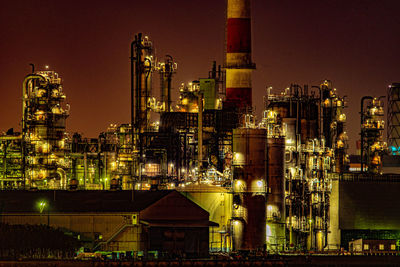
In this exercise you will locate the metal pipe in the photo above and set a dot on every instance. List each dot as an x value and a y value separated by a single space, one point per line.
320 110
200 130
33 67
290 212
290 152
169 81
132 58
27 79
146 115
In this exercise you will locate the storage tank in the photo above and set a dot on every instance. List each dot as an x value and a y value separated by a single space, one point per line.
275 228
305 110
309 111
248 222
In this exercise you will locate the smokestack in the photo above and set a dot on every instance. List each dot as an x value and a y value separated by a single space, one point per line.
238 63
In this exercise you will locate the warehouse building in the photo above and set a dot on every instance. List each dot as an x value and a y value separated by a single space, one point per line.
134 221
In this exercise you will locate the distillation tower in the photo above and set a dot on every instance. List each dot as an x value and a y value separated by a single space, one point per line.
43 131
372 125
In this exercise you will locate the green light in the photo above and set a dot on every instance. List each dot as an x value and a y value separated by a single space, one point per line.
41 206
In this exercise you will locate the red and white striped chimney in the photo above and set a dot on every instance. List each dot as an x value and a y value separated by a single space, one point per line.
238 63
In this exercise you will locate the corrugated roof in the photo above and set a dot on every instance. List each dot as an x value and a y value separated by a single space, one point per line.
79 201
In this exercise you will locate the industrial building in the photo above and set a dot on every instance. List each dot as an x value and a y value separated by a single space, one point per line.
143 221
281 182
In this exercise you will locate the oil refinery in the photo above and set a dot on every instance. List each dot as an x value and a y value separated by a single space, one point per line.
280 181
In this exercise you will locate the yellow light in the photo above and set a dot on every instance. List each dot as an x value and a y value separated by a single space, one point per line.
342 117
289 141
259 183
271 114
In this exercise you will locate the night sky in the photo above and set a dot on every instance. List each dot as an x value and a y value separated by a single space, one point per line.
353 43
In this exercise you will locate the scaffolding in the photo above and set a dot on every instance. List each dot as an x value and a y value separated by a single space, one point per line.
393 117
11 176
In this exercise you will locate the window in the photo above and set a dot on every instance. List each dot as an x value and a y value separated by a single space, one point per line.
393 247
381 246
366 246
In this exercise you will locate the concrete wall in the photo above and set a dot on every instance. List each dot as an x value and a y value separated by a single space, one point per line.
362 205
369 205
334 231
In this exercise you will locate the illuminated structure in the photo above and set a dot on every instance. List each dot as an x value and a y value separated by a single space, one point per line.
166 70
372 126
43 131
11 170
267 183
308 165
141 77
334 119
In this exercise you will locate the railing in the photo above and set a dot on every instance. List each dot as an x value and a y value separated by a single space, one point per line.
367 177
114 234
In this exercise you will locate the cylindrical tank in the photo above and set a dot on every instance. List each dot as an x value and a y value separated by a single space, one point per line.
166 71
249 186
290 130
309 112
285 109
238 54
276 193
306 110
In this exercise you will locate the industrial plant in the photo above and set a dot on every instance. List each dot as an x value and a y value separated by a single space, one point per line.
204 173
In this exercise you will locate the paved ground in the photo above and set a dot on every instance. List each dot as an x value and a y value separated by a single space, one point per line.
279 261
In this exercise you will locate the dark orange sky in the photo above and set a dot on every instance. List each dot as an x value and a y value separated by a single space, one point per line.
353 43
